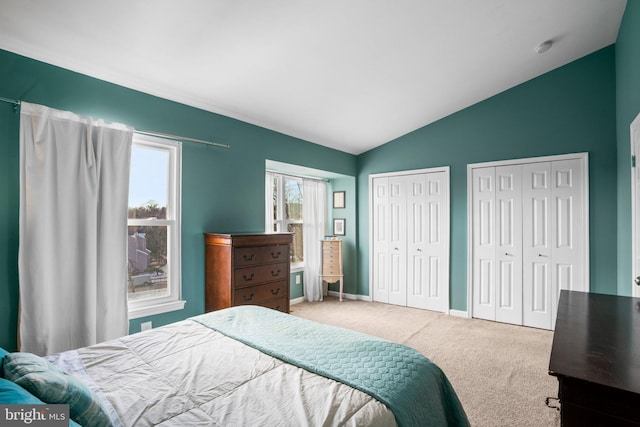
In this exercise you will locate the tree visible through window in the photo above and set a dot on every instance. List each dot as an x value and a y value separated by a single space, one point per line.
287 211
147 256
154 226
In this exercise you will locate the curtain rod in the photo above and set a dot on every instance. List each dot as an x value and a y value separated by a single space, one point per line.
295 175
16 103
181 138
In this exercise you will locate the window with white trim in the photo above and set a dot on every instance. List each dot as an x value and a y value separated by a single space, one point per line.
154 281
287 212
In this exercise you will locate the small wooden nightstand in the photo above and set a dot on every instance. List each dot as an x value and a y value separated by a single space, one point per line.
332 262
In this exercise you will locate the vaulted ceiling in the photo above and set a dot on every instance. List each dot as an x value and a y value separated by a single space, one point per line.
349 75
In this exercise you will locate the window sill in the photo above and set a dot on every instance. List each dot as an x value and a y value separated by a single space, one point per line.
296 268
151 310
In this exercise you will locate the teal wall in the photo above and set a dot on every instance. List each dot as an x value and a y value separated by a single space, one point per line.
586 105
627 108
222 190
296 289
350 239
571 109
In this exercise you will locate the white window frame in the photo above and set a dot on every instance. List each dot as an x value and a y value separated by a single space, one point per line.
282 223
152 306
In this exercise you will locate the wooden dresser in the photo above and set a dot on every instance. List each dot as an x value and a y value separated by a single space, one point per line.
247 268
332 262
596 357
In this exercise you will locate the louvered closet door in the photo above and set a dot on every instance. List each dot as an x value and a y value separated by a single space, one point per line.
509 244
380 244
484 245
427 219
397 240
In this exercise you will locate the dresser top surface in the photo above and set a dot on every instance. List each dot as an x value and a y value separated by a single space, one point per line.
247 238
597 339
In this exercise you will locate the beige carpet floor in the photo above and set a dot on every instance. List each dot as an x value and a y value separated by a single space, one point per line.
499 371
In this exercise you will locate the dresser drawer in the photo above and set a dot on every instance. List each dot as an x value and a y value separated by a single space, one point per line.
259 294
260 255
251 276
279 304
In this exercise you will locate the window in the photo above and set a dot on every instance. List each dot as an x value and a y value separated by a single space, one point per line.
287 211
154 227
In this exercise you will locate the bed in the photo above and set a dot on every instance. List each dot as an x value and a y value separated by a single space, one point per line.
249 366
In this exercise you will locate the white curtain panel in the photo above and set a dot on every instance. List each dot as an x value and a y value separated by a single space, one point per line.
268 202
314 217
74 184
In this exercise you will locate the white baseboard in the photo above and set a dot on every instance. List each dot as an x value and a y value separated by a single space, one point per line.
459 313
296 300
350 296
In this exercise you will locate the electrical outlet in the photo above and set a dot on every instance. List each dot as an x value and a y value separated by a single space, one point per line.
145 326
297 279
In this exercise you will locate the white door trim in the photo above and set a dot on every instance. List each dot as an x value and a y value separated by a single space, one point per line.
583 157
446 221
635 242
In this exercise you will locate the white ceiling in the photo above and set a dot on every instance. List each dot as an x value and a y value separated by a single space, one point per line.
350 75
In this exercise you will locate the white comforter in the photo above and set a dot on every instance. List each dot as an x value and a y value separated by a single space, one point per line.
186 374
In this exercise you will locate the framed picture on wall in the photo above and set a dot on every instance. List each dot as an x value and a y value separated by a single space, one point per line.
338 199
338 226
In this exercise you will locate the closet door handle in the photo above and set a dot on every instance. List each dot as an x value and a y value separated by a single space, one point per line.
542 255
508 254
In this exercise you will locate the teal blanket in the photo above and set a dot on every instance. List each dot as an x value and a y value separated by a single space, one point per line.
415 389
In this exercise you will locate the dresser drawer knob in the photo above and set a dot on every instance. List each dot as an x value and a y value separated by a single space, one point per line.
275 291
248 298
275 255
275 273
248 278
248 257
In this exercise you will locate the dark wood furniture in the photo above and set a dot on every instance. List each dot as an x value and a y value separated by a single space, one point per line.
596 358
247 268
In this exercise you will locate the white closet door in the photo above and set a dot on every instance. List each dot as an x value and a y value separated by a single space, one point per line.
437 249
427 241
567 239
417 228
484 245
380 227
397 240
537 245
508 244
